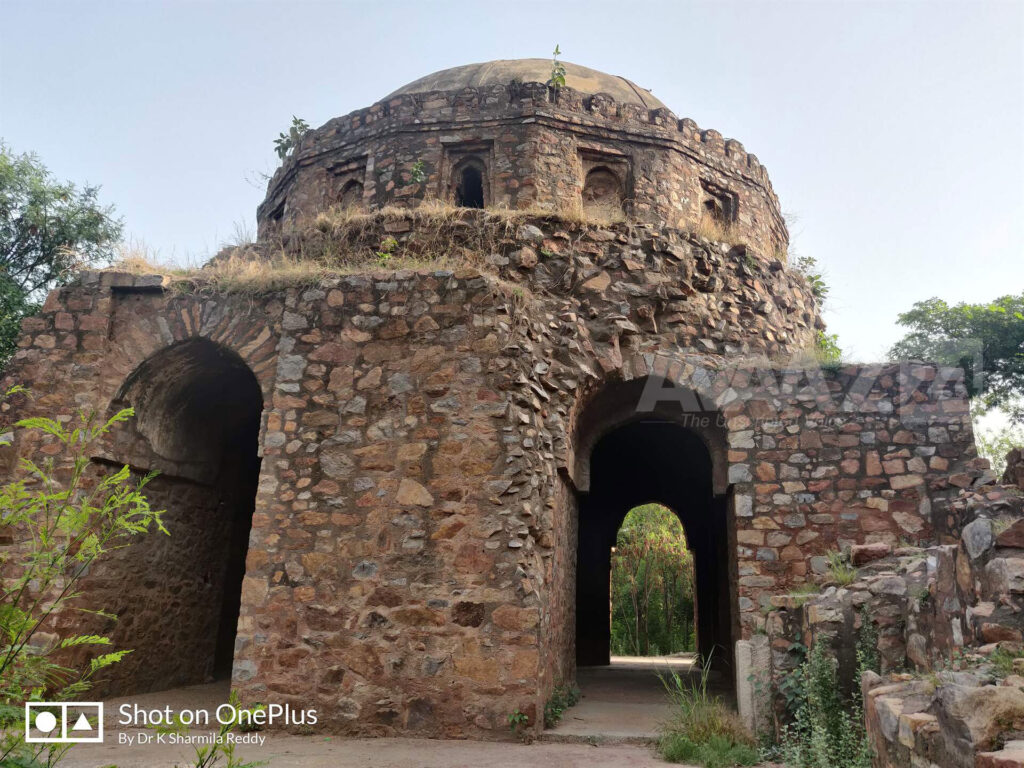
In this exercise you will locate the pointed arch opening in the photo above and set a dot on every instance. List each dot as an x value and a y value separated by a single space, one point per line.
672 454
470 184
197 420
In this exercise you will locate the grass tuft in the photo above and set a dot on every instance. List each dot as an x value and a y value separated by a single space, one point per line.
840 570
715 230
703 729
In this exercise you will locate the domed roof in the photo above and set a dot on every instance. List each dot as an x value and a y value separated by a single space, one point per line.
504 71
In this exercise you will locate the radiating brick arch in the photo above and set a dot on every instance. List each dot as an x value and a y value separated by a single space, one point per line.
613 401
232 323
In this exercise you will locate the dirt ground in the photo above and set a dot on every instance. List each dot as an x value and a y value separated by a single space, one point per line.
622 704
320 752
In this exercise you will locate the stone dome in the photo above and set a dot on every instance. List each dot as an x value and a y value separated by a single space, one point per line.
495 135
503 71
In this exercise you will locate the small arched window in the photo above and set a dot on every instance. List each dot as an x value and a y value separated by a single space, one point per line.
469 185
602 192
352 194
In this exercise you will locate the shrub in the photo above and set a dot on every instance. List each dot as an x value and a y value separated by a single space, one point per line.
64 522
839 570
827 729
717 752
702 729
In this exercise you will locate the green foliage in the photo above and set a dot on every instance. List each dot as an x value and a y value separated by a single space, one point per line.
14 306
791 684
717 752
286 143
808 267
387 250
995 442
418 174
986 340
220 754
702 729
827 729
652 585
1004 662
67 522
562 697
518 723
828 351
557 79
868 657
48 229
840 570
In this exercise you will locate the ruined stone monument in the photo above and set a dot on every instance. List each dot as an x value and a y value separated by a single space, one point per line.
392 494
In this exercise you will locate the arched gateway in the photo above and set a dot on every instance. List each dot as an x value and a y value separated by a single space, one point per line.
197 421
664 452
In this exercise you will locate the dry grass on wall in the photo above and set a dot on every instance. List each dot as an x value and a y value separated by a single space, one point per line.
432 236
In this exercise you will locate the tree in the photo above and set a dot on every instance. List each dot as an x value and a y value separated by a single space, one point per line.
995 442
652 584
986 340
48 229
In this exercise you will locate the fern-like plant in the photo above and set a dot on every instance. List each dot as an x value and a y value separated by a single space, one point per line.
62 523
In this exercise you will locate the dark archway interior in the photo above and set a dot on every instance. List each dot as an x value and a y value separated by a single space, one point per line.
469 193
352 195
653 460
197 419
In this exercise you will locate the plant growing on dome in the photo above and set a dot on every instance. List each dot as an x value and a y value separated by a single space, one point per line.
557 79
285 143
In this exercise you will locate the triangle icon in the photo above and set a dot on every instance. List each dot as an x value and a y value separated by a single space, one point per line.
82 724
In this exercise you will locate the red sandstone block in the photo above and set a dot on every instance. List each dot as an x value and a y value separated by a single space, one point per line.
93 322
866 553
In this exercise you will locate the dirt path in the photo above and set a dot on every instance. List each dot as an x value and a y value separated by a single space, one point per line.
320 752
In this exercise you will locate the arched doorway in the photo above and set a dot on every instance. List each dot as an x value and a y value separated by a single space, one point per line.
652 586
470 182
197 419
602 194
672 455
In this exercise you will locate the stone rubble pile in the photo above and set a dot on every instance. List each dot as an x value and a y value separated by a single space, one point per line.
947 623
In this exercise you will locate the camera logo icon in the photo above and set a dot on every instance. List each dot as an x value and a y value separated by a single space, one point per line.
63 722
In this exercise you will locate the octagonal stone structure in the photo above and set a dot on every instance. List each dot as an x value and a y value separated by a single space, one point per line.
498 135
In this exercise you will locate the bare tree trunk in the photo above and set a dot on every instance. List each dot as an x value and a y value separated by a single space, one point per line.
668 595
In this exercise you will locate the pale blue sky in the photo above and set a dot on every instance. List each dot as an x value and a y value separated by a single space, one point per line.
894 131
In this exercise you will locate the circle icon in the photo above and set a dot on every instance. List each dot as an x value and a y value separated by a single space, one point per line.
46 722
